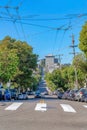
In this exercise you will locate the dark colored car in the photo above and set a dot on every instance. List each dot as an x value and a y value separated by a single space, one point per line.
65 95
23 96
14 94
80 93
30 92
0 95
7 95
84 97
60 94
71 94
37 94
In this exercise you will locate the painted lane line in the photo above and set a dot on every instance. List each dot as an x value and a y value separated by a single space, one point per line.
67 108
85 106
14 106
41 107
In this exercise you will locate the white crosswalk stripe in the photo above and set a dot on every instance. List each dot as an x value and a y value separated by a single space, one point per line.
41 107
67 108
85 106
14 106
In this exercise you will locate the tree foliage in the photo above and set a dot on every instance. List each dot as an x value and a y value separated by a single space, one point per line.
8 65
83 39
17 61
65 78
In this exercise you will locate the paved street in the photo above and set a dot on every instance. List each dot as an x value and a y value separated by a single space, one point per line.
43 114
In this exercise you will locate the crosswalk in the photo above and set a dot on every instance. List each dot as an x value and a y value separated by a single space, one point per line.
43 107
14 106
67 108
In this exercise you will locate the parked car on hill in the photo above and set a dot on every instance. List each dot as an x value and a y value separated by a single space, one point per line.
14 94
71 94
0 95
23 96
65 95
84 97
7 95
80 93
38 94
60 94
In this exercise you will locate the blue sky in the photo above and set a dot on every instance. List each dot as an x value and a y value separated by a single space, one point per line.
47 25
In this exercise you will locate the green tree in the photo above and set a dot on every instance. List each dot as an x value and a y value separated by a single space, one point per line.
8 65
83 39
27 60
80 62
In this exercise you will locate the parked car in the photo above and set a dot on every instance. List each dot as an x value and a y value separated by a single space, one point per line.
65 95
7 95
84 97
30 92
14 94
23 96
60 94
0 95
20 96
38 94
80 93
71 94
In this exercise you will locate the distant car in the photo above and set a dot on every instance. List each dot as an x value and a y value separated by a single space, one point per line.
46 93
22 96
65 95
7 95
14 94
25 95
60 94
0 95
37 94
30 92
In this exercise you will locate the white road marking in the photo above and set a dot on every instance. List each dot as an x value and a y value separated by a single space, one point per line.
67 108
41 107
85 106
14 106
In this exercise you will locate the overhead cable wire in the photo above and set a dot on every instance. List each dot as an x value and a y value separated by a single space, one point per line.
42 26
21 26
57 31
52 19
19 5
65 30
55 41
17 11
13 20
67 17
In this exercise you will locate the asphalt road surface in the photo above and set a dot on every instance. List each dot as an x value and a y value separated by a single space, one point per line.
43 114
47 113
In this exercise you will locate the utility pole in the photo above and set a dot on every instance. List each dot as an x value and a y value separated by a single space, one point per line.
74 53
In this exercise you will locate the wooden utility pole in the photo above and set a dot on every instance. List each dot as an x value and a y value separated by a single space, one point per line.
74 53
